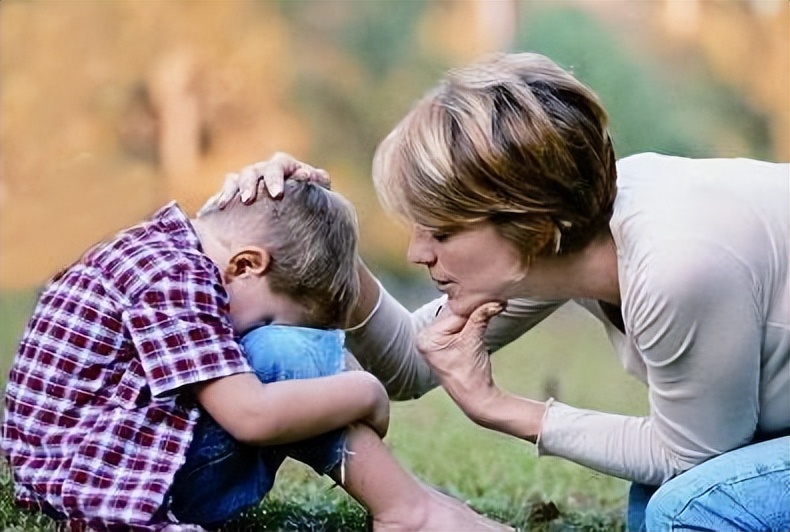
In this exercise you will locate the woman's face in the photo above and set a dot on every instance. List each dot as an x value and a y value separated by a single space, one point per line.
472 267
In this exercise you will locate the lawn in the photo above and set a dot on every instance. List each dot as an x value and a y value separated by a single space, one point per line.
567 356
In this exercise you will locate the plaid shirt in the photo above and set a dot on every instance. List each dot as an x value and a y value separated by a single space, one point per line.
98 413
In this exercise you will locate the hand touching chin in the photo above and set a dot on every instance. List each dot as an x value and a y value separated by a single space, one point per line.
465 305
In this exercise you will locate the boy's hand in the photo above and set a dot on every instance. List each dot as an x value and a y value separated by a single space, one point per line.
273 171
294 410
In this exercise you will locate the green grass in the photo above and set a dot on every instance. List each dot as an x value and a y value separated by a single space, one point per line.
15 309
567 356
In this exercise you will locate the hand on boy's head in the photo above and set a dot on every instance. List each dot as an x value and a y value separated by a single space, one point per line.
273 172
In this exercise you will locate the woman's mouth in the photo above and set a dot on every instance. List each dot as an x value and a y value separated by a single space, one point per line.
441 284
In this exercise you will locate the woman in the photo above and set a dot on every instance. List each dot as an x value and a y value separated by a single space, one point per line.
507 173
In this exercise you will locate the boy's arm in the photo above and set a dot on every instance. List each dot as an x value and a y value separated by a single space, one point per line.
293 410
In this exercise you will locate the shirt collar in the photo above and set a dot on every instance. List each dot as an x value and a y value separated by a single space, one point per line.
172 219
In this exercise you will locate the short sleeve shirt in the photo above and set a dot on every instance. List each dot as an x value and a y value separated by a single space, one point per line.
99 412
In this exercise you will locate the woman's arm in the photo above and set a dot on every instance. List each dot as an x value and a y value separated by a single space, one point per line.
698 328
293 410
386 345
383 339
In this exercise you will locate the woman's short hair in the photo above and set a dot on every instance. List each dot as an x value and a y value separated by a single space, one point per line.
311 235
514 140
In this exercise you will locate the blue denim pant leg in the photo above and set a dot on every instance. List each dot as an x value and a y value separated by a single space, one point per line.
222 477
278 352
744 489
638 497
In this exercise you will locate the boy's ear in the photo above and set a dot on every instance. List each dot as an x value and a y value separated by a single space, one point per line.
249 260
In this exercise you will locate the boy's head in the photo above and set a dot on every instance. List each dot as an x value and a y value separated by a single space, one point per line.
293 257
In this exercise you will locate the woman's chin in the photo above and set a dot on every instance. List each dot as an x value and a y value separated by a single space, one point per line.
464 306
455 306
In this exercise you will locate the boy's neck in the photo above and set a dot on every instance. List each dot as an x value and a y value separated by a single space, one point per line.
215 247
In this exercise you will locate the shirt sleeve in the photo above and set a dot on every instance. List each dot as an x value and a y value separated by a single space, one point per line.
182 335
696 324
386 345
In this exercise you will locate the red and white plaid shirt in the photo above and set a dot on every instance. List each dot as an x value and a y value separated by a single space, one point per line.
98 410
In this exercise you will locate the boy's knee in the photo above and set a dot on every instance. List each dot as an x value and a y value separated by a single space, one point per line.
286 352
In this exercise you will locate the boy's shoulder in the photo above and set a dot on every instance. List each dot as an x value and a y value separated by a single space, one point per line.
161 247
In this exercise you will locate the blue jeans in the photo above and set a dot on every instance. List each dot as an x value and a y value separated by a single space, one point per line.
222 477
744 489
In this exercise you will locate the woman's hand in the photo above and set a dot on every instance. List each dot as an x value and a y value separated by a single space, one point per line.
453 346
273 171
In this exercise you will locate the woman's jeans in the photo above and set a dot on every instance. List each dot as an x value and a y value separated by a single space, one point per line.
744 489
222 477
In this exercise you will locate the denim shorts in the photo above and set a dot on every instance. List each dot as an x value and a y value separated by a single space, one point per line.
222 477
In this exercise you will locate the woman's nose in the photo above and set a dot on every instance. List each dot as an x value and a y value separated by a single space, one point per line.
420 249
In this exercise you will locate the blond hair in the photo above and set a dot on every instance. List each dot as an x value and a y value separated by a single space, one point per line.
311 237
514 140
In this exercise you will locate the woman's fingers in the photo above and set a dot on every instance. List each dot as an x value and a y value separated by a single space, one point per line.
475 325
273 172
478 321
210 204
302 173
320 176
274 178
452 335
219 200
229 189
294 169
247 182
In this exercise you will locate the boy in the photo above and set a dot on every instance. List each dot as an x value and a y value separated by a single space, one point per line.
131 406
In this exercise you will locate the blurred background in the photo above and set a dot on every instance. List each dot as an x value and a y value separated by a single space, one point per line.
108 109
111 108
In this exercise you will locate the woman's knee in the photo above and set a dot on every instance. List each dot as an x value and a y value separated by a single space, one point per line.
663 508
745 489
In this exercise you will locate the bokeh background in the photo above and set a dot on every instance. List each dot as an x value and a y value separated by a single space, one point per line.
110 108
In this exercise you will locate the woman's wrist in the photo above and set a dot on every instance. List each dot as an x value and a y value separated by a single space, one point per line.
509 414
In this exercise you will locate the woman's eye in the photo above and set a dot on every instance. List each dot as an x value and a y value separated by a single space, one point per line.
440 237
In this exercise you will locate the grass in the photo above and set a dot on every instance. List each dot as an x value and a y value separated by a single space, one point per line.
568 356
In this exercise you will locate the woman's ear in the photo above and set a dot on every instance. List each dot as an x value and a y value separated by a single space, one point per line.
247 261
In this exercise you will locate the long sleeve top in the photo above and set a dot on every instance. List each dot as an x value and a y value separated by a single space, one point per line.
703 248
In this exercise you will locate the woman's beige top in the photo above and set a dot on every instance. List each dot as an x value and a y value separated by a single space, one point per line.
703 250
